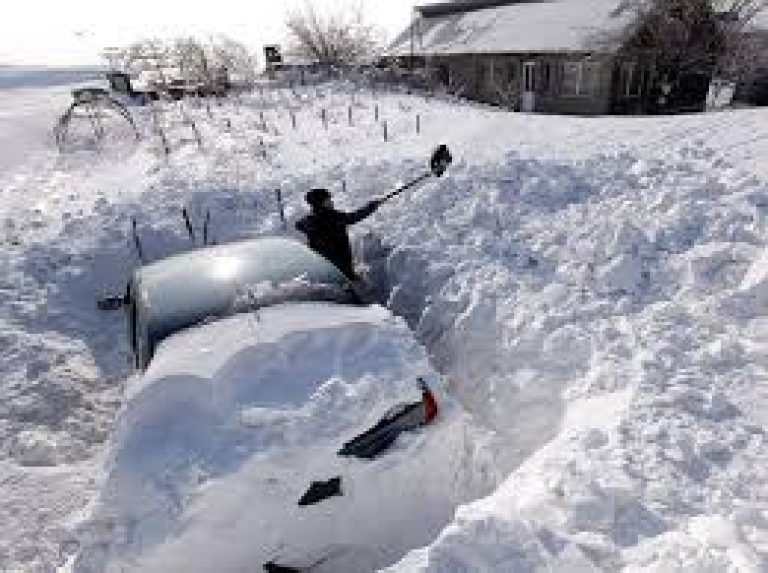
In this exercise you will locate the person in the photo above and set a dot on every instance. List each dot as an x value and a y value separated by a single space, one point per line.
326 229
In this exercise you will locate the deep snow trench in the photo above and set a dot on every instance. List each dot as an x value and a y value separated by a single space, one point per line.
595 287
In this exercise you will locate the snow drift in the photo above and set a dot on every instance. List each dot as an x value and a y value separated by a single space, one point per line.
595 287
232 422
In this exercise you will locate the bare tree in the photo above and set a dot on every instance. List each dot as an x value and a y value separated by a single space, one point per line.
684 35
332 40
194 60
235 57
744 50
192 57
693 36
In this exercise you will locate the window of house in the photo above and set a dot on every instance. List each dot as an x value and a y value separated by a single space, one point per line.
590 78
571 80
512 72
444 74
546 77
481 75
580 78
630 79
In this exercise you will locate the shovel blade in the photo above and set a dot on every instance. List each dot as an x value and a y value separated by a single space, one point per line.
440 161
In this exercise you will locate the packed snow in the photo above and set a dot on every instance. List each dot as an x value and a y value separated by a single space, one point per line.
594 288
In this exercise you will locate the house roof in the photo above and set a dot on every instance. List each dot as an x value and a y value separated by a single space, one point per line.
484 26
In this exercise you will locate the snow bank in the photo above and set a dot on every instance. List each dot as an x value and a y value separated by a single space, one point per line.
593 286
234 420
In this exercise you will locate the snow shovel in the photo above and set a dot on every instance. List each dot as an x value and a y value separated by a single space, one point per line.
401 418
440 161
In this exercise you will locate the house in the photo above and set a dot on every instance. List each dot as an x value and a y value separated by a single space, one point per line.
557 56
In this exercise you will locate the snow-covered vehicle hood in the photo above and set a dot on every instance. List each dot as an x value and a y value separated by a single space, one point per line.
234 419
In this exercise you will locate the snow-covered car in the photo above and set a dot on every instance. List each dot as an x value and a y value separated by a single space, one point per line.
214 282
235 422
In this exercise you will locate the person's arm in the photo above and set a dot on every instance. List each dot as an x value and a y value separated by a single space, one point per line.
362 213
303 225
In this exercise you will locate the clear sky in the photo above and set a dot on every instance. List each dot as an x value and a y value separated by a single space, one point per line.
64 32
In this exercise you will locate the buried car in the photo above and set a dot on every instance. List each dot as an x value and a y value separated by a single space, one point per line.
186 289
250 441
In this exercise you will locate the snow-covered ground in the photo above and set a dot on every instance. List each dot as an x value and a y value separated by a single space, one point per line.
596 287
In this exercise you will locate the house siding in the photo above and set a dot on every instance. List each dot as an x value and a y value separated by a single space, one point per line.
498 79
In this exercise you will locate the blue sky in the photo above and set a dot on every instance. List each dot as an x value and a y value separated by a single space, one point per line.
72 32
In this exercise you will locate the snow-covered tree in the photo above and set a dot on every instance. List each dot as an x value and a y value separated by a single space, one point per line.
694 36
335 39
685 36
744 51
196 60
235 57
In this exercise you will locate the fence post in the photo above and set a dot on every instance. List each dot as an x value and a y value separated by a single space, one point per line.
418 124
206 227
386 133
166 146
188 224
279 196
293 120
324 117
343 185
196 131
376 112
349 115
262 147
137 241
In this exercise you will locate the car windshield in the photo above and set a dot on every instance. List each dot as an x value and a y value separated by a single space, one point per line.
190 288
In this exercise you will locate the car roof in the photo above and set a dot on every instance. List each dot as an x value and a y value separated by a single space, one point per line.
185 289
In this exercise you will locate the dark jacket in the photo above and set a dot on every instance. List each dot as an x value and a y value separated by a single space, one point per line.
326 231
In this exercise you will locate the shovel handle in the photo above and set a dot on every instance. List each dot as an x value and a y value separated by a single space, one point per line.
407 186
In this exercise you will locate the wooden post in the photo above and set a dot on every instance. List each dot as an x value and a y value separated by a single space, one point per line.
196 131
279 196
206 226
418 124
263 121
343 185
386 133
376 112
137 241
324 117
188 224
293 120
166 146
349 115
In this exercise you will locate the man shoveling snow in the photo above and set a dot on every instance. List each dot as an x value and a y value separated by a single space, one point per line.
326 228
